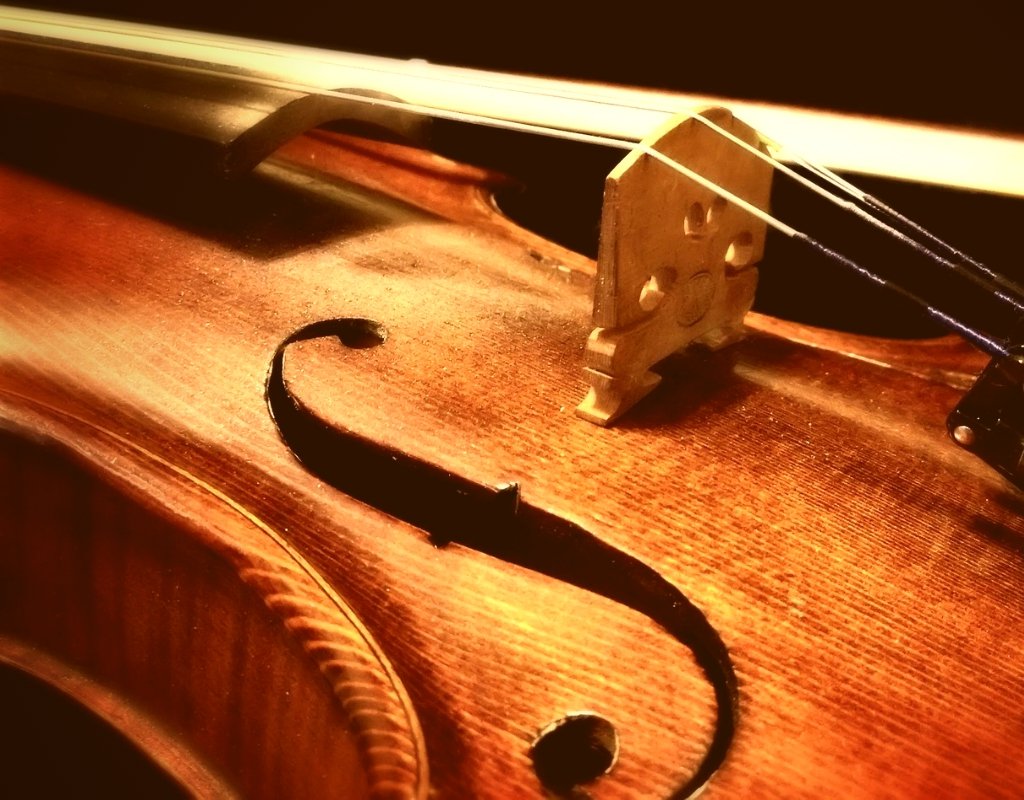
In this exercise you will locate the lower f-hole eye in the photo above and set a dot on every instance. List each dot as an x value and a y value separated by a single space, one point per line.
574 750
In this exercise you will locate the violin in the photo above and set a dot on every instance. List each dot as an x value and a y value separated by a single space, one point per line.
303 496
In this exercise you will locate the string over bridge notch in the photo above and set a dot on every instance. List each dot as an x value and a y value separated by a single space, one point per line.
677 262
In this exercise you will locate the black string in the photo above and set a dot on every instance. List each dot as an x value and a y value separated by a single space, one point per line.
982 340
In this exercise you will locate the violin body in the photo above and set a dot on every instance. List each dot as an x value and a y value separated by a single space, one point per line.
169 564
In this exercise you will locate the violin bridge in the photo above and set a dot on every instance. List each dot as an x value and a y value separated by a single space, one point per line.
677 263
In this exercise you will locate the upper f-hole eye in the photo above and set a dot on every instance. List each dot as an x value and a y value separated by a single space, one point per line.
574 750
360 334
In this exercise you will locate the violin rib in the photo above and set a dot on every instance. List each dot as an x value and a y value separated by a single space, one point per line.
176 615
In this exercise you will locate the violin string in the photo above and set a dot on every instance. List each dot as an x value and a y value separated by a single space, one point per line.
979 338
986 283
449 75
990 282
993 278
860 195
382 65
453 115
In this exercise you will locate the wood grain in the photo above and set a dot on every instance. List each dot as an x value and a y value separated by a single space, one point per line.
195 621
863 571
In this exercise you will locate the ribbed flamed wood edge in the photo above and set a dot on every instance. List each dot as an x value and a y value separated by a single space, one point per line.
365 687
373 702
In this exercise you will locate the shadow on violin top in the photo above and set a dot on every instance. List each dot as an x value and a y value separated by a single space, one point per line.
273 212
